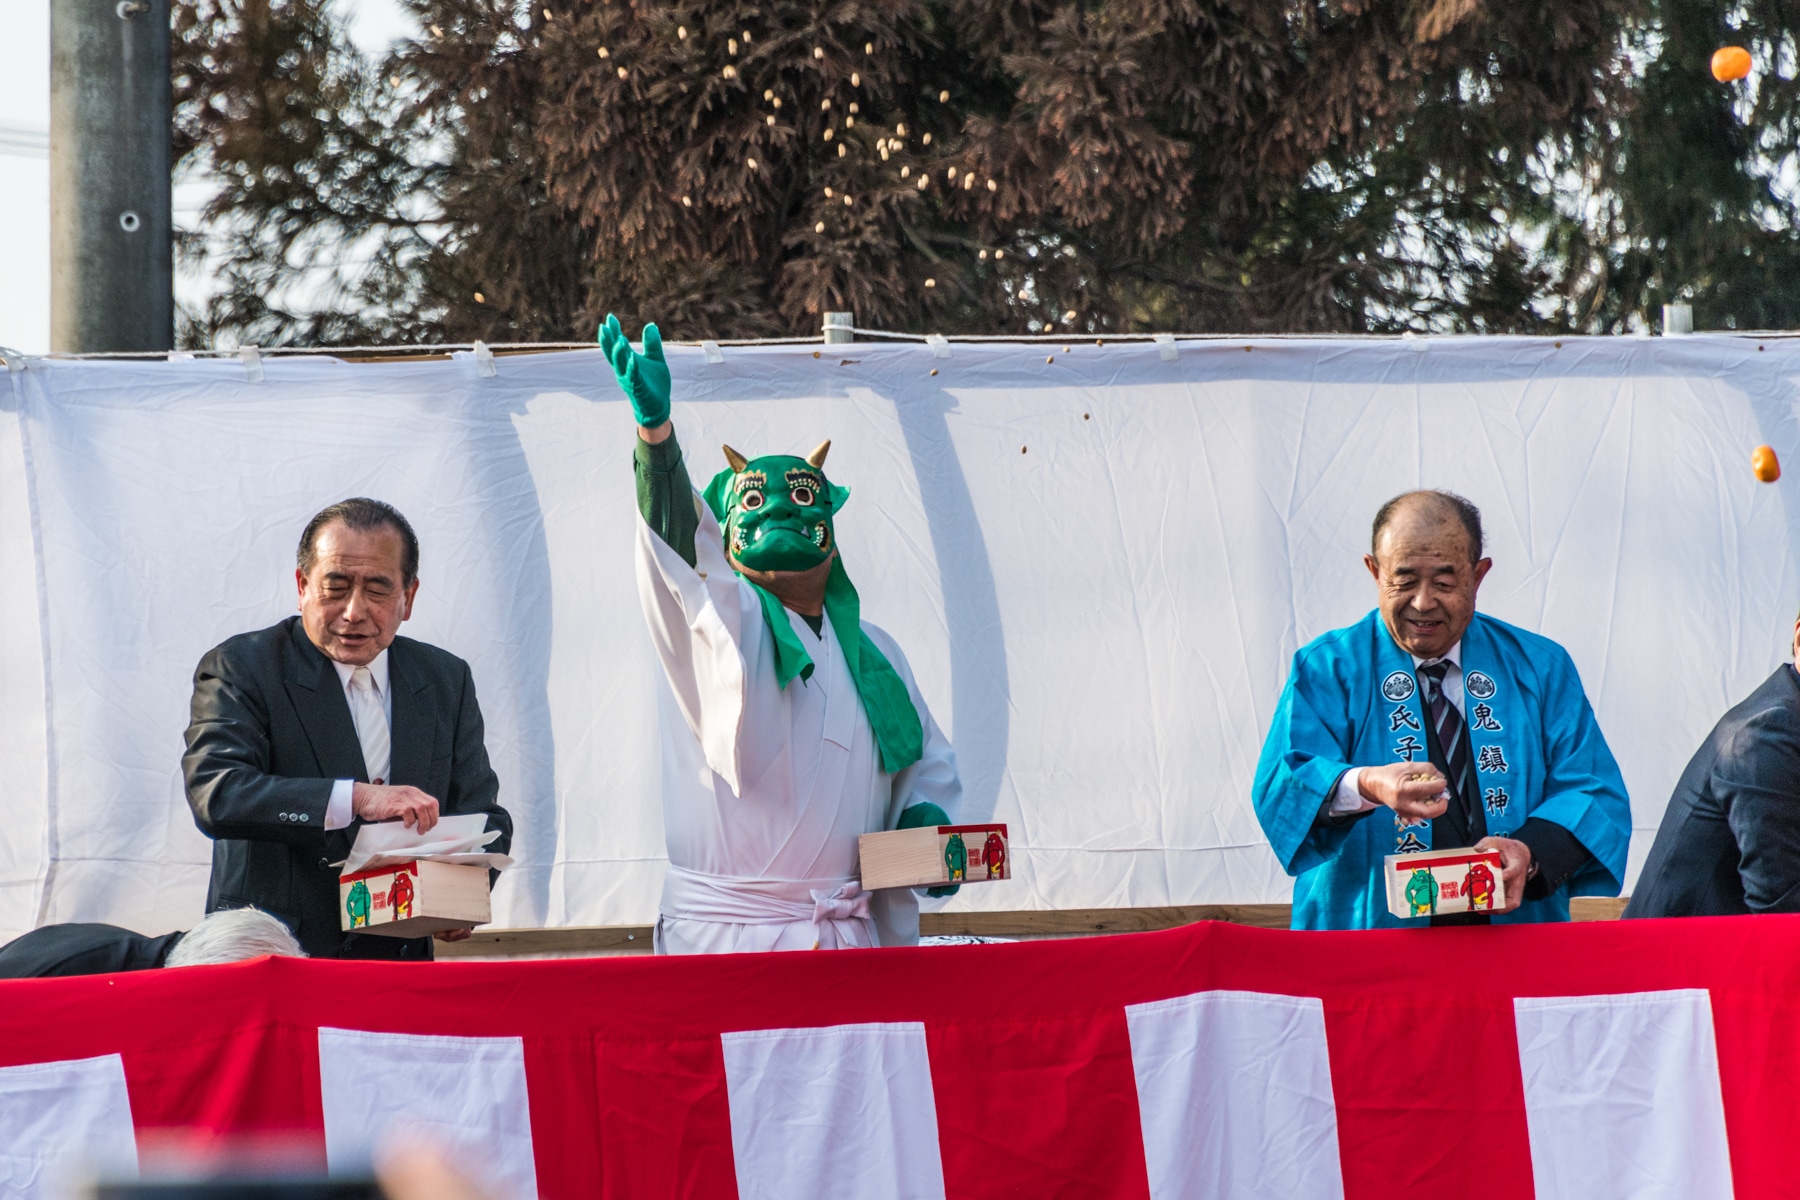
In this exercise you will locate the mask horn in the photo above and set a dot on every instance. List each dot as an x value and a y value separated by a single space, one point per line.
816 459
738 462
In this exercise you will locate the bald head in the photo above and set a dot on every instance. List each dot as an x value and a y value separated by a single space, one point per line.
1428 514
1427 564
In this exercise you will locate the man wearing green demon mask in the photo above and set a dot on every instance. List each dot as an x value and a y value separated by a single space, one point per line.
806 718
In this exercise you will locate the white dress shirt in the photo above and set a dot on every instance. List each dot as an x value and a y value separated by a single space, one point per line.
339 812
1348 798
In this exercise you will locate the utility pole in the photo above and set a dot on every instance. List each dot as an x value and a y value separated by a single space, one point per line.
112 254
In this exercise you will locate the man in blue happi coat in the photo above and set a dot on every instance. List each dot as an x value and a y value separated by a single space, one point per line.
1428 726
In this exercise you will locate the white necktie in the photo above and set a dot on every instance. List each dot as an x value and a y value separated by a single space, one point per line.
371 724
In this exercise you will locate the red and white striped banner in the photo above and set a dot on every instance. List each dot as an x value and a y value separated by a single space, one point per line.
1587 1062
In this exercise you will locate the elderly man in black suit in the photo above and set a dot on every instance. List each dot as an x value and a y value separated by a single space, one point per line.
1730 838
304 731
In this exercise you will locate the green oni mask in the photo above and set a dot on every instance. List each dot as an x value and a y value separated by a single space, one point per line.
776 511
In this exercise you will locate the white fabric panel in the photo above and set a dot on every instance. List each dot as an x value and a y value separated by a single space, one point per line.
25 850
1622 1097
464 1093
1098 569
845 1110
61 1122
1234 1095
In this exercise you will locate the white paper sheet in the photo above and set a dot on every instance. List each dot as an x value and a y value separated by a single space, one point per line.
454 839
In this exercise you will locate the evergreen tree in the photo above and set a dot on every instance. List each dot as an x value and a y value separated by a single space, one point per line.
738 168
316 169
1698 189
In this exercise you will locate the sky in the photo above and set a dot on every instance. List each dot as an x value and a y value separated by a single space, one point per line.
25 160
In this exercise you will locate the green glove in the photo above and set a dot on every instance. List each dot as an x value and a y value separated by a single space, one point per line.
928 813
645 377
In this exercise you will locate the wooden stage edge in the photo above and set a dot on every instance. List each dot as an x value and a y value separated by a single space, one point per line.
582 941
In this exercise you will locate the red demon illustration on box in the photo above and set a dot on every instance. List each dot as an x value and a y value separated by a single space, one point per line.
1479 887
993 856
400 899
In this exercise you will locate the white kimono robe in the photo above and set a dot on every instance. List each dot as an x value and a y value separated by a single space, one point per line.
762 854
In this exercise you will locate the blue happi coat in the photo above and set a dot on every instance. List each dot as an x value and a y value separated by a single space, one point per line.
1353 700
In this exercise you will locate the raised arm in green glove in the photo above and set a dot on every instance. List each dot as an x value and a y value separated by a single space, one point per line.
645 377
665 495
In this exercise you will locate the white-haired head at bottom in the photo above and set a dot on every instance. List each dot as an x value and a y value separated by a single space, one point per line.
233 935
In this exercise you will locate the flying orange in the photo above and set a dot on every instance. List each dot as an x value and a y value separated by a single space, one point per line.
1764 463
1730 63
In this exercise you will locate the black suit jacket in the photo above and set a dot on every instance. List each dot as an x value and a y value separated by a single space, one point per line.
1730 839
270 732
82 950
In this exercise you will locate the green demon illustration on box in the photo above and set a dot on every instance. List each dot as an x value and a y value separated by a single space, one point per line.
956 858
1421 893
357 904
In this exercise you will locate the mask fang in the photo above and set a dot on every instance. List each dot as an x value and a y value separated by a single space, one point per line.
738 462
816 460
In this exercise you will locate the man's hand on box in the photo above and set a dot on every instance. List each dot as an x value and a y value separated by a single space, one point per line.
382 802
1515 864
1416 791
453 935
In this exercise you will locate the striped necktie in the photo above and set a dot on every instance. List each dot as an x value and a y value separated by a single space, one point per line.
370 718
1447 722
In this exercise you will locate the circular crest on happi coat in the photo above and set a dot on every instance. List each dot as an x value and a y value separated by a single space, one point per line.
1398 686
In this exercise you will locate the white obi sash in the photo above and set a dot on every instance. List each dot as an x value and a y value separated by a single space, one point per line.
837 908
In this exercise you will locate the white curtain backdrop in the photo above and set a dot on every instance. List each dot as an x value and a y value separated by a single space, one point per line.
1098 566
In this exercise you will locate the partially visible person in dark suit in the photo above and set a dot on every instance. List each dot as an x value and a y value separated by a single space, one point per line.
1730 839
302 732
84 949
